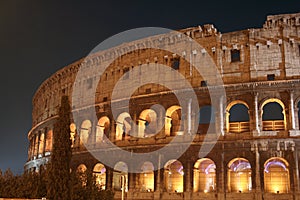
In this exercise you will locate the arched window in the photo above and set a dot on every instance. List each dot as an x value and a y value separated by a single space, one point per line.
123 126
120 177
41 145
48 147
276 176
173 121
273 115
204 176
102 129
239 175
147 177
85 131
206 120
99 173
237 117
72 133
173 175
147 123
81 172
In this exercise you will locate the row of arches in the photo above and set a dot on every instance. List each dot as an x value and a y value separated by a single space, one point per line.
150 123
170 123
239 176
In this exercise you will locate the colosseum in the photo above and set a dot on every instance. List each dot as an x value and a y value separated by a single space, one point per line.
253 129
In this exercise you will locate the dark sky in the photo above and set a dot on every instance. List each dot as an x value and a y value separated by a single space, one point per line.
39 37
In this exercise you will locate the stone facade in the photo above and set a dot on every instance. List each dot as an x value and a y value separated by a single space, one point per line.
256 157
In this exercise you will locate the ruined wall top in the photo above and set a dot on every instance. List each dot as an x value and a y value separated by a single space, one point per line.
282 20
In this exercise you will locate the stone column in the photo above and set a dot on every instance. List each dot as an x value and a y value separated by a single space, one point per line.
188 177
160 123
189 117
256 117
30 149
292 111
37 144
257 173
221 114
109 178
158 180
112 130
221 187
296 173
92 140
131 182
45 138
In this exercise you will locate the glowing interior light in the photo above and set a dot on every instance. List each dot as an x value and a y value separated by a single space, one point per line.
279 163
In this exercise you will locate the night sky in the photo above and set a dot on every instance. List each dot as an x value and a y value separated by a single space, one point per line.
39 37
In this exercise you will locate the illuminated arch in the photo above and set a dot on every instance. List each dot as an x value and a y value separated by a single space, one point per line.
173 121
237 117
81 172
41 145
239 175
102 129
276 175
48 147
147 123
72 133
120 176
146 179
204 175
173 176
99 173
85 131
273 120
123 126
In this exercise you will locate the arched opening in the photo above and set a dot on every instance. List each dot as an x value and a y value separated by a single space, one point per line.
99 173
72 133
237 117
146 179
102 129
81 172
173 121
123 126
120 177
147 123
204 175
206 120
41 145
85 131
239 175
173 175
273 115
276 176
48 147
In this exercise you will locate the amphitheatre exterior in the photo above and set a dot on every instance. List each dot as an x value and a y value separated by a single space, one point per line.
256 125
